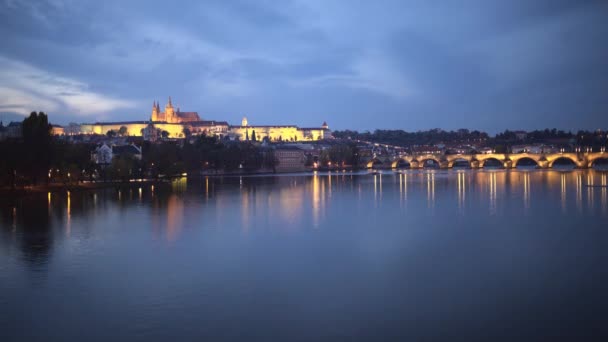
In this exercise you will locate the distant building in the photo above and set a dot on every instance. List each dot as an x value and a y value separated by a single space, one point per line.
541 148
72 129
14 130
461 149
521 135
286 133
178 124
170 115
130 150
104 154
175 122
57 130
151 133
426 149
486 150
290 159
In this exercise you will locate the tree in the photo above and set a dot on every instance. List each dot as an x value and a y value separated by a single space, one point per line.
36 128
253 137
37 147
111 133
187 132
164 134
122 131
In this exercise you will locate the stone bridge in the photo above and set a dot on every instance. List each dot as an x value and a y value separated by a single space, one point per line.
581 160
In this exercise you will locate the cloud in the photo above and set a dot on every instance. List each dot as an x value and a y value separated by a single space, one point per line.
24 88
402 60
372 72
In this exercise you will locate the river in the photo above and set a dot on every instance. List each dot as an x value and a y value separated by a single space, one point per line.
414 255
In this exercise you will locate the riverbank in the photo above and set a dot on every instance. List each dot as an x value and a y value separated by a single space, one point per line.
81 186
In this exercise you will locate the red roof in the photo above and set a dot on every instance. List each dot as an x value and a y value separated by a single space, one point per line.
188 116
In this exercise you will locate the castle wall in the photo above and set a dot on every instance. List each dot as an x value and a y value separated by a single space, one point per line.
133 129
175 130
276 133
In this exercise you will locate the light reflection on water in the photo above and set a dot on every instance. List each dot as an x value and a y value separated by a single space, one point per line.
189 258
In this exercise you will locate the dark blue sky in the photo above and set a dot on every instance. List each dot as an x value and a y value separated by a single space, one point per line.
489 65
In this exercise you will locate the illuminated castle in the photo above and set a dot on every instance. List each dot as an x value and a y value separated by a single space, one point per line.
176 124
246 132
170 115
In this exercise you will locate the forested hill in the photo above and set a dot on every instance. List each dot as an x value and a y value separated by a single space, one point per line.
464 136
403 138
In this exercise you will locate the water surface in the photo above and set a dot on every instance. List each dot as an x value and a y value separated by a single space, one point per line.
420 255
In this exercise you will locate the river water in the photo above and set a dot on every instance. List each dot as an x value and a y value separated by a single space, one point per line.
419 255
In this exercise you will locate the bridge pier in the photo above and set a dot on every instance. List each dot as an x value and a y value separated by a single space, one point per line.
543 164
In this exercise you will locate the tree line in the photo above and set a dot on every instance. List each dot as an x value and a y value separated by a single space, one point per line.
465 137
37 158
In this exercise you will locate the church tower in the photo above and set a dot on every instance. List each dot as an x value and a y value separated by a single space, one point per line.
155 112
169 113
244 122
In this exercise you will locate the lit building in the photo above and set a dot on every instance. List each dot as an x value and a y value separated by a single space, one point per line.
176 123
278 133
173 123
170 115
57 130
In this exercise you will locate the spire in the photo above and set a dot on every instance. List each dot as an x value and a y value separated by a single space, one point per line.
169 104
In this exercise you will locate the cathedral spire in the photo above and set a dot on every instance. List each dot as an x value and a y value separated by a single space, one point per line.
169 104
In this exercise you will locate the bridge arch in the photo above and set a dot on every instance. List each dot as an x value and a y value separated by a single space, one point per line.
422 160
523 160
482 163
401 163
483 158
599 161
374 162
454 158
572 162
538 159
453 161
568 156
